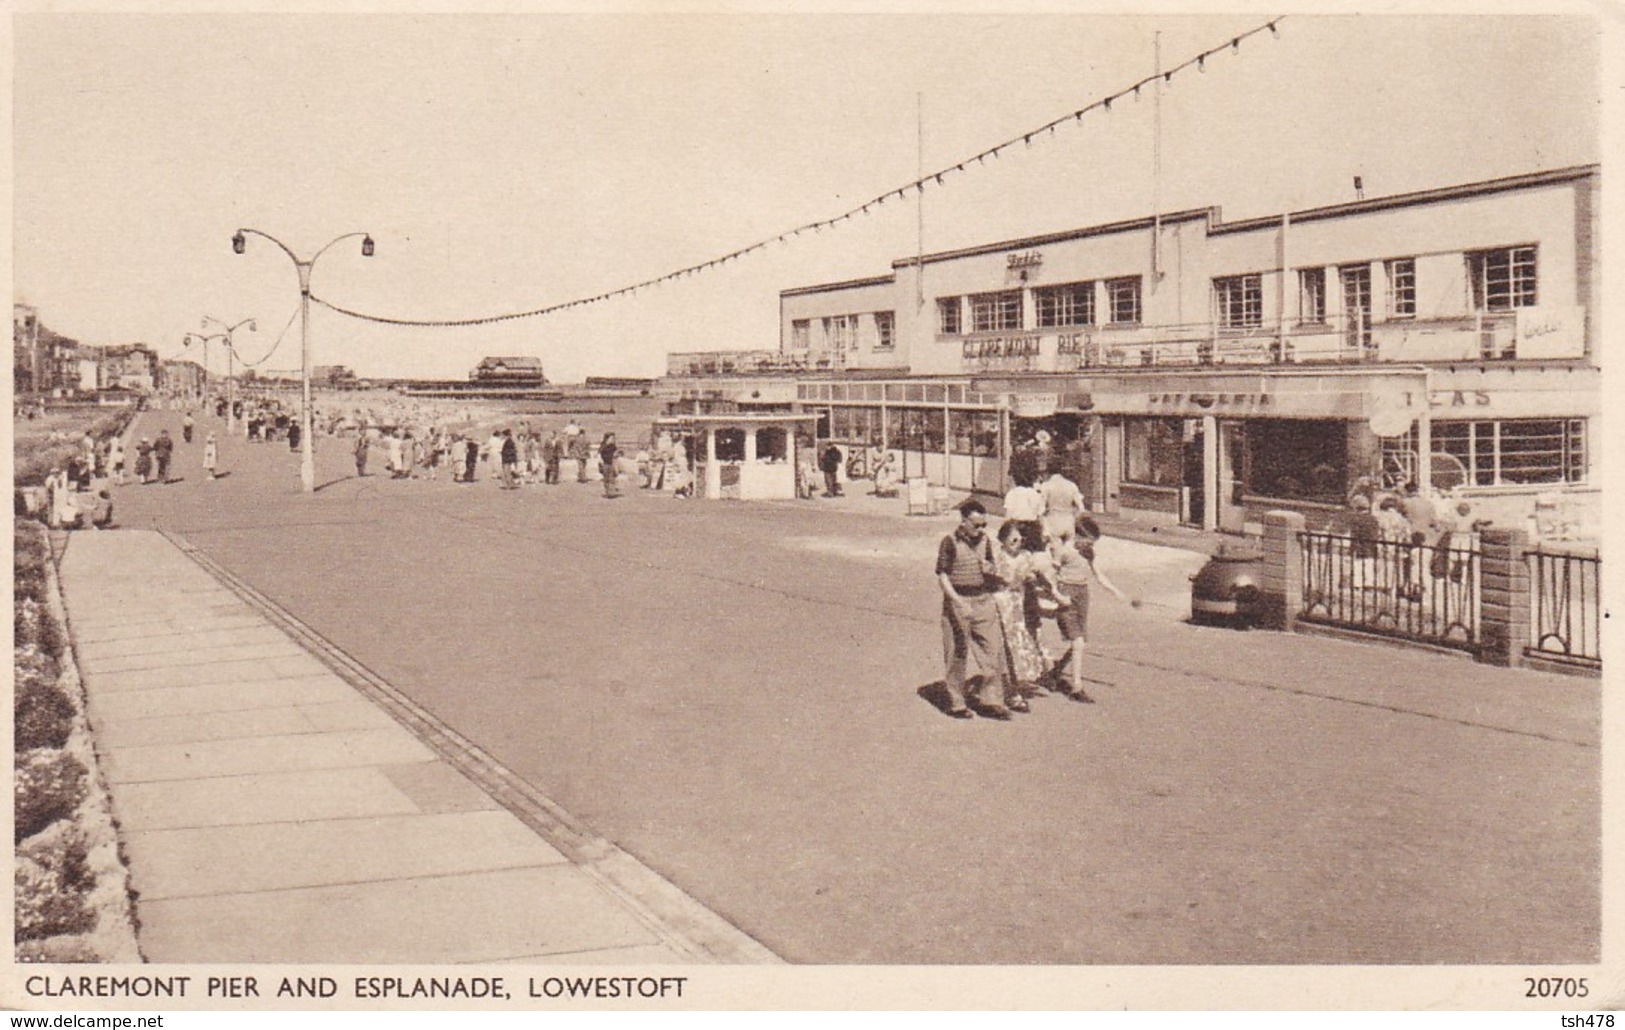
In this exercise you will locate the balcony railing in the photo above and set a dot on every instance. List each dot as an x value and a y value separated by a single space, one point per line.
1343 338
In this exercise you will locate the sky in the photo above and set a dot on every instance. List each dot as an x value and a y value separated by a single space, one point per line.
503 163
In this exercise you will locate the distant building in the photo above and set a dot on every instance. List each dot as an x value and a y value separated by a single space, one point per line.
629 383
129 366
25 355
337 377
509 371
181 377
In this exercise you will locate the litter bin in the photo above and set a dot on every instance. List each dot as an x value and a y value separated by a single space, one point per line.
1226 591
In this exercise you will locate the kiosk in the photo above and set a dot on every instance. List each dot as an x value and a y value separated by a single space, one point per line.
741 456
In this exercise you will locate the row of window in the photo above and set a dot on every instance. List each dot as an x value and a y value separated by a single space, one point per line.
1506 452
1308 460
1055 307
842 332
1498 280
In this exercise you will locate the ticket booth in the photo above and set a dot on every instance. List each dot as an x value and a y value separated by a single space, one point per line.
742 456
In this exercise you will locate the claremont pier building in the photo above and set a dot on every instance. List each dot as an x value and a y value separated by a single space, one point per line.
1193 370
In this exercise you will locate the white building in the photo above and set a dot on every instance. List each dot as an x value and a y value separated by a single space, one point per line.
1196 370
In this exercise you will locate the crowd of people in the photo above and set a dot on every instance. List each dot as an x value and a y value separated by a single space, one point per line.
999 591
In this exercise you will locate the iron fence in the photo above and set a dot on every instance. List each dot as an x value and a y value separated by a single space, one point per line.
1399 589
1565 598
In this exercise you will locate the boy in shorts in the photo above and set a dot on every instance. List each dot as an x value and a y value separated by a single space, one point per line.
1074 568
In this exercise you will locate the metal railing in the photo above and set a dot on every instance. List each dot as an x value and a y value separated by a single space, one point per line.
1398 589
1565 600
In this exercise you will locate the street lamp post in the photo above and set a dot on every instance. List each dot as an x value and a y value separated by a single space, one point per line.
307 456
191 338
231 356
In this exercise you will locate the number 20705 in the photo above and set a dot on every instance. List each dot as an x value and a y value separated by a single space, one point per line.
1555 987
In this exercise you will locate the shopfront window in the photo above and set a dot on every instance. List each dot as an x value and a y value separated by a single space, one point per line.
772 444
1153 451
730 445
1297 460
1513 452
996 312
915 429
975 433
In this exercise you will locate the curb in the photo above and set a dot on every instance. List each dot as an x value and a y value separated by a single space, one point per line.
678 920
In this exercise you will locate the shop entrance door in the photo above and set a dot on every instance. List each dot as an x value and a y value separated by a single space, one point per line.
1232 458
1193 496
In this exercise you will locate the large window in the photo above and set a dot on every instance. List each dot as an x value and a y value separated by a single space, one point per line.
1153 451
1297 459
975 433
948 316
885 331
995 312
1401 288
1071 304
841 332
1502 279
1240 301
799 335
1512 452
1123 300
1311 295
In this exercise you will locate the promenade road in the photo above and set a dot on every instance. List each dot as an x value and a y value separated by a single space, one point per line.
729 692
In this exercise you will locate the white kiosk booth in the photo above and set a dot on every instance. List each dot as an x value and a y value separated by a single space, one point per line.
742 456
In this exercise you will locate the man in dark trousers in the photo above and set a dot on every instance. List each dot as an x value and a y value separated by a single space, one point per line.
510 461
830 464
970 616
162 450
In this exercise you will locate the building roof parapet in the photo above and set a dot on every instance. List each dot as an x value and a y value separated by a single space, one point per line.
1217 226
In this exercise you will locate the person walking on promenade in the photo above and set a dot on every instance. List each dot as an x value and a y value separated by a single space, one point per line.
363 449
509 453
1424 520
211 455
552 457
471 458
186 427
392 451
609 456
143 461
1063 503
580 450
295 431
115 458
970 616
1016 577
163 449
1074 568
1024 505
829 463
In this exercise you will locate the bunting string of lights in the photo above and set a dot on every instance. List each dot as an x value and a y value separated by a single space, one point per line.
918 186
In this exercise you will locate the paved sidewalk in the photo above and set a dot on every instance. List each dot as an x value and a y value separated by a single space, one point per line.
274 811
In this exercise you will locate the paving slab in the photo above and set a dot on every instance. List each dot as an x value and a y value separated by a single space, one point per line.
437 787
187 655
102 632
321 689
267 798
202 861
168 643
117 734
474 917
208 759
195 675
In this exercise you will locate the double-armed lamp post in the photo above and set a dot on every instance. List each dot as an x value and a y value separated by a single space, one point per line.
307 456
231 356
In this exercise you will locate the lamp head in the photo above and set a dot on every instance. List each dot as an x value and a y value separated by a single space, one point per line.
366 246
252 326
238 243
